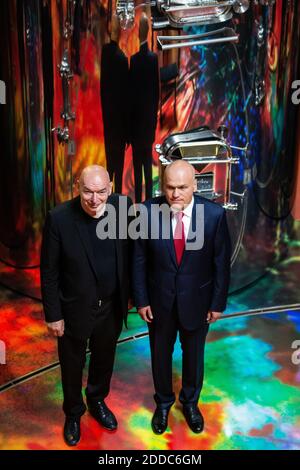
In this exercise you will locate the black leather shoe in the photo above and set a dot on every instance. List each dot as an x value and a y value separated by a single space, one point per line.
193 418
103 415
72 431
159 421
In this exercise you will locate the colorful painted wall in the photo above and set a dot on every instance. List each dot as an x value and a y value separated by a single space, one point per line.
245 86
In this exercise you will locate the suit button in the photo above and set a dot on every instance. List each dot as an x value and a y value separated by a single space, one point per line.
100 303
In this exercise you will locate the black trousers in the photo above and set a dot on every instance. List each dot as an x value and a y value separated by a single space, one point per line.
72 356
163 336
142 158
115 155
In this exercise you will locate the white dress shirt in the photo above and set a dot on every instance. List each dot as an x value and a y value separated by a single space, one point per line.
186 219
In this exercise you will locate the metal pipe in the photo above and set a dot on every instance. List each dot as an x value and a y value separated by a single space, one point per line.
192 39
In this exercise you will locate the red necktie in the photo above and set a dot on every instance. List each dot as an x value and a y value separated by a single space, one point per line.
179 240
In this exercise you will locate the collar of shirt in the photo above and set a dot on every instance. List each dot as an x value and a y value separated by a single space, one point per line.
97 216
144 42
187 210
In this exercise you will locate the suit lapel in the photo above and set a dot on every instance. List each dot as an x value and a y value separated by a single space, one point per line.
117 241
168 242
84 236
192 230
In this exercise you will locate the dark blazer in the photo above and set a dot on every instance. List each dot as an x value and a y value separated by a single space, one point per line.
114 93
68 275
144 95
201 281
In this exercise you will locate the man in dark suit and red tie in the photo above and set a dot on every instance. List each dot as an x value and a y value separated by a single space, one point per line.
180 284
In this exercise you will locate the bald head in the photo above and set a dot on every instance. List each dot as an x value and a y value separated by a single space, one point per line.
94 189
179 184
179 166
94 171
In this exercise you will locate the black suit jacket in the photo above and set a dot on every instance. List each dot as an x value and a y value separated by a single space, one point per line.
144 95
68 275
201 281
114 93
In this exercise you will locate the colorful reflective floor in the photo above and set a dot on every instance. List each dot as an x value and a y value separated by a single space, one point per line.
250 398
